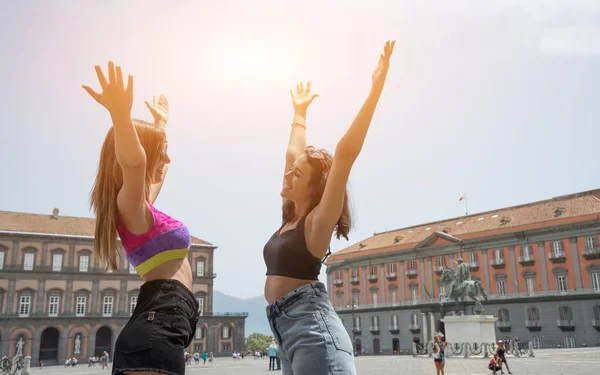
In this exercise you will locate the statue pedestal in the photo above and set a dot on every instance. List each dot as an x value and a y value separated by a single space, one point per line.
470 328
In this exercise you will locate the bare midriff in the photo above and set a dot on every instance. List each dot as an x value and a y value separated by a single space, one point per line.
178 269
278 286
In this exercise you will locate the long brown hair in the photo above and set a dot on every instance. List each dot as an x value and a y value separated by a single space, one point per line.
318 181
109 181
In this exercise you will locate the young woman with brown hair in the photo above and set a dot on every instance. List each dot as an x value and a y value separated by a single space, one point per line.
311 337
133 164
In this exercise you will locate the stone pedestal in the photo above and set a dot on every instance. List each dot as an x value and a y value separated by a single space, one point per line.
470 328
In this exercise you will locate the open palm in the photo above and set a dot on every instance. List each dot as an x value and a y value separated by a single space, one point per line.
115 97
383 65
159 109
302 98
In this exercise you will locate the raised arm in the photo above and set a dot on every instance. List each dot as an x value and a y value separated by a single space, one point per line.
301 99
321 221
118 99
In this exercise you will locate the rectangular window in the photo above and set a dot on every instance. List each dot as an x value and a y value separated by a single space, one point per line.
590 242
526 252
84 263
338 275
557 247
561 283
357 323
440 261
53 305
503 315
57 262
24 306
132 304
414 294
355 297
394 295
533 314
200 305
392 267
375 321
501 287
530 285
200 268
473 258
374 297
373 270
595 281
412 265
569 342
28 261
339 299
499 255
226 332
131 269
199 332
565 313
226 347
81 306
354 272
414 318
107 305
1 260
395 320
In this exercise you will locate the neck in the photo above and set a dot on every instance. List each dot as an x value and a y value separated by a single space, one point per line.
301 209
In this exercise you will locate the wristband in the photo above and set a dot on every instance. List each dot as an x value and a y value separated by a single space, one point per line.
298 125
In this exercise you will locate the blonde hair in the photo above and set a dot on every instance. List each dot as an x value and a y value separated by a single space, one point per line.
108 183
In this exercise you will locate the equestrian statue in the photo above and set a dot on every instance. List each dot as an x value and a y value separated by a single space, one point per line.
460 285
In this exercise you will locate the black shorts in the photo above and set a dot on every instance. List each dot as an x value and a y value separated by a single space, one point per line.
161 327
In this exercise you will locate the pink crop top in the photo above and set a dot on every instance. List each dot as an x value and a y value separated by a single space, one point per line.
167 239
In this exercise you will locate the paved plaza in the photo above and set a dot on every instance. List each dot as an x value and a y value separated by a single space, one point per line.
548 362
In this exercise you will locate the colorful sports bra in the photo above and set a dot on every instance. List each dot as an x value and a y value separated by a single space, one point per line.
167 239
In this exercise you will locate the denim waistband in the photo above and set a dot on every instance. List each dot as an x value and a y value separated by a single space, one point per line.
315 288
150 288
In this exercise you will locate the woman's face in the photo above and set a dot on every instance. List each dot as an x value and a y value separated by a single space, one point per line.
159 175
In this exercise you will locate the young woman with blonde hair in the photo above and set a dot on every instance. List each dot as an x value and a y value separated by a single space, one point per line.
133 164
311 337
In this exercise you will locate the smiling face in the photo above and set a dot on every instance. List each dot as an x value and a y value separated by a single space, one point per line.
297 181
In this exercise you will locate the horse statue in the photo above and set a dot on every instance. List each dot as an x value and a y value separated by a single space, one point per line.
459 289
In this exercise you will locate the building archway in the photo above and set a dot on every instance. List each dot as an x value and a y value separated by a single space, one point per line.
103 341
49 346
376 348
358 345
396 346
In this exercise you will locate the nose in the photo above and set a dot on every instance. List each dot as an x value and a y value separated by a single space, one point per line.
166 159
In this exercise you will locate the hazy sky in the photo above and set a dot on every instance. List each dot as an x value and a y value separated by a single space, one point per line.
500 101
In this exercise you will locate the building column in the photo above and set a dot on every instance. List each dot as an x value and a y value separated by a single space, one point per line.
15 255
486 269
432 324
71 256
113 340
382 273
513 268
209 301
401 276
329 283
364 284
40 298
123 296
542 260
422 276
347 286
69 297
95 296
35 346
424 328
575 255
430 277
63 347
91 342
10 297
44 254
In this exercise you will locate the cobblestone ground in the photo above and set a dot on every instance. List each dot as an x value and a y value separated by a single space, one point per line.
548 362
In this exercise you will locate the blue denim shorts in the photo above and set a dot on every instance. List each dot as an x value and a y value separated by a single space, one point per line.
161 327
311 336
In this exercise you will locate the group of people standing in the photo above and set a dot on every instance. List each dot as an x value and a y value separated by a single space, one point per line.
310 336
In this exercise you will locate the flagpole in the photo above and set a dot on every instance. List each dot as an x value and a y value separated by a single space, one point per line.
466 204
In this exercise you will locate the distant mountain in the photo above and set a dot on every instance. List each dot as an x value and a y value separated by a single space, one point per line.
256 322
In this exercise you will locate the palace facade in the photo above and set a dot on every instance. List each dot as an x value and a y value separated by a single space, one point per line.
57 302
539 264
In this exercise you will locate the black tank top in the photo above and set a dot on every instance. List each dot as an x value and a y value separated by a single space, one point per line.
286 254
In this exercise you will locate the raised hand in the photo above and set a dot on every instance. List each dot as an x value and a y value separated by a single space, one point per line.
302 98
159 110
115 97
382 67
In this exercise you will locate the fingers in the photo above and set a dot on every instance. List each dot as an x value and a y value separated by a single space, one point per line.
151 108
119 78
298 89
92 93
129 89
111 73
308 88
101 77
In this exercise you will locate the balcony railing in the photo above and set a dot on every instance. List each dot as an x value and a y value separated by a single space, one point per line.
474 265
337 282
374 329
503 326
414 328
492 297
354 280
357 330
596 324
394 328
533 325
526 260
497 263
391 275
372 277
411 274
566 324
591 253
557 257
